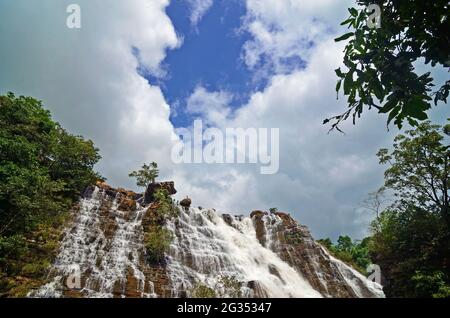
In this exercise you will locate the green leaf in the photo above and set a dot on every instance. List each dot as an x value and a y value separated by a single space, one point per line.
339 73
338 87
393 114
344 37
348 83
378 89
388 106
348 21
353 12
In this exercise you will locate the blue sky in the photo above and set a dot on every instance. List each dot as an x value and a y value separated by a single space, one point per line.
210 56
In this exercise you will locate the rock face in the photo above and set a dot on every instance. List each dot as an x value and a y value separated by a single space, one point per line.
295 245
153 187
265 255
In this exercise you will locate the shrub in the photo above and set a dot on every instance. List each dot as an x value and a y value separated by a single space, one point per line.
203 291
157 242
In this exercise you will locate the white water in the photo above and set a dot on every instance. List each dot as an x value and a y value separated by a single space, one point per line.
355 279
85 249
206 249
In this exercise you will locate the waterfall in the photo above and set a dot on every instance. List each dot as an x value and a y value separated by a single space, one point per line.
206 248
102 263
102 255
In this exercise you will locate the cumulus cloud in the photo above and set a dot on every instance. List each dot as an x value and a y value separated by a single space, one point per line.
212 107
88 77
284 33
322 177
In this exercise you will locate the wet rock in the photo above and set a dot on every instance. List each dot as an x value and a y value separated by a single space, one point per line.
228 219
127 204
186 203
257 214
257 290
87 193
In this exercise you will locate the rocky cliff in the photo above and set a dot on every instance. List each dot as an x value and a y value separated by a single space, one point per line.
264 255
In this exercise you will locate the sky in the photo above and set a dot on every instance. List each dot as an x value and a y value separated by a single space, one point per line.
138 70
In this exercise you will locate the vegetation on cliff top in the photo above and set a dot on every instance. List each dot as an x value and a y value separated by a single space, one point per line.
146 175
43 169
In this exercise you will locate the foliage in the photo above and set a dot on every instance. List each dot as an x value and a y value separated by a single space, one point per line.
407 239
419 169
157 242
433 284
43 169
410 240
146 175
166 207
356 253
226 286
231 286
294 237
273 210
381 62
157 239
203 291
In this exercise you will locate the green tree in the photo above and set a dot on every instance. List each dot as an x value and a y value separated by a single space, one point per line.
354 253
411 238
379 61
43 170
405 240
419 169
146 175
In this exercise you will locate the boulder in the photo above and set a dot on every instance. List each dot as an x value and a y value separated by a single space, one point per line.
169 186
257 214
228 219
186 203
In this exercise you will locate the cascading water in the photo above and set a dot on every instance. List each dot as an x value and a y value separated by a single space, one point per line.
102 263
269 255
206 248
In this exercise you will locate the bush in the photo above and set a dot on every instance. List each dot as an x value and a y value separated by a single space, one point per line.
203 291
157 242
431 284
167 208
231 286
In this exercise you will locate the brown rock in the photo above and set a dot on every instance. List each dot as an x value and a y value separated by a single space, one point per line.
153 187
257 214
127 204
186 203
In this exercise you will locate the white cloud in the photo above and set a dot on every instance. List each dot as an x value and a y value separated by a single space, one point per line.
286 31
323 177
211 106
198 9
88 77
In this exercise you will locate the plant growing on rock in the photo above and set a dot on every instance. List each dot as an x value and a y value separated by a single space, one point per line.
157 242
231 286
202 291
166 207
157 238
146 175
